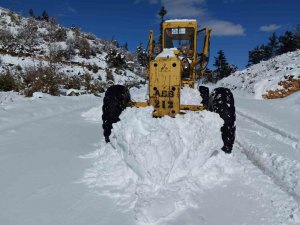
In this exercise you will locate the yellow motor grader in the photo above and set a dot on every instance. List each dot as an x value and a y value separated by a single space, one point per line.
182 60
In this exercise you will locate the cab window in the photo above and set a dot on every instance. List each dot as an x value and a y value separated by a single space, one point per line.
179 37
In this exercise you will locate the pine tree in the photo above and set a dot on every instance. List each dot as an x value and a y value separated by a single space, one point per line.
31 13
208 74
276 46
233 68
256 55
223 69
45 16
142 56
288 43
125 46
162 14
297 33
272 47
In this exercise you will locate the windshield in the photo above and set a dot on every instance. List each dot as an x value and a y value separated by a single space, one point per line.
181 38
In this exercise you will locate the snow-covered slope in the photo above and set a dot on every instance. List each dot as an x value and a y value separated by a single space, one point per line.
265 76
27 43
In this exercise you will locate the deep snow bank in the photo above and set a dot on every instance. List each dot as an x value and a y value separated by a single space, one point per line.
188 96
157 165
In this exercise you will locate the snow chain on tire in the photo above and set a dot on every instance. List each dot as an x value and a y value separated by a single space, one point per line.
204 93
221 101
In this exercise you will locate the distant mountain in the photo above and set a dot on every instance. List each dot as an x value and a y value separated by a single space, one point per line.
275 78
29 46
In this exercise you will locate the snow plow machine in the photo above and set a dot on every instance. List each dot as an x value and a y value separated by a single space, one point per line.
181 62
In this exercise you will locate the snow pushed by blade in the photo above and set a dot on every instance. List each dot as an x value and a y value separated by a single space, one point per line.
158 145
158 165
190 96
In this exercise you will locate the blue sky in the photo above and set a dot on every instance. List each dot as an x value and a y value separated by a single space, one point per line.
238 25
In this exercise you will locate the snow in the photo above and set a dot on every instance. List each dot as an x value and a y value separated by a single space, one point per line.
190 96
166 53
139 94
265 76
38 95
22 61
40 144
137 170
180 20
149 159
56 167
76 66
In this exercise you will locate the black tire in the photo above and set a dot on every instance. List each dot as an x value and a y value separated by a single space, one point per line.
117 98
204 93
222 102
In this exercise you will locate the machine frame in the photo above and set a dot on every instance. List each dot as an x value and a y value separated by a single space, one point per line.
165 73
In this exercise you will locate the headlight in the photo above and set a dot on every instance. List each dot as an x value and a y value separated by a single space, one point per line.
184 49
185 64
186 68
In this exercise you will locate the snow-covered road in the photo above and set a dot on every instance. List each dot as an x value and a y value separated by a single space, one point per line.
56 169
40 169
268 132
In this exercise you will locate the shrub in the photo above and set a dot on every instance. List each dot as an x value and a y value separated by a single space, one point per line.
109 75
71 45
73 82
15 18
98 87
28 35
6 37
95 68
8 82
86 80
41 78
59 35
89 67
19 68
84 48
91 36
115 59
76 30
57 54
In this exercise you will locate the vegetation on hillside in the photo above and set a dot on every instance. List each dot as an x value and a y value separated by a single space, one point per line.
53 47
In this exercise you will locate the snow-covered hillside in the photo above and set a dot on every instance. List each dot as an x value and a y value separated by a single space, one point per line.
265 76
28 43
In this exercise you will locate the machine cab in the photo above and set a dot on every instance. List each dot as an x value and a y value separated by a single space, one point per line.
189 45
181 38
180 34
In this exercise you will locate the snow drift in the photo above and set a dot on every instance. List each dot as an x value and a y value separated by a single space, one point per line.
157 165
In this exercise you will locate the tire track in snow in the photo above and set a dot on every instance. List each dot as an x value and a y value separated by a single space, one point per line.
295 141
284 172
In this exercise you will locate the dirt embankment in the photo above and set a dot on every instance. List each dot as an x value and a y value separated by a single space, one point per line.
290 85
